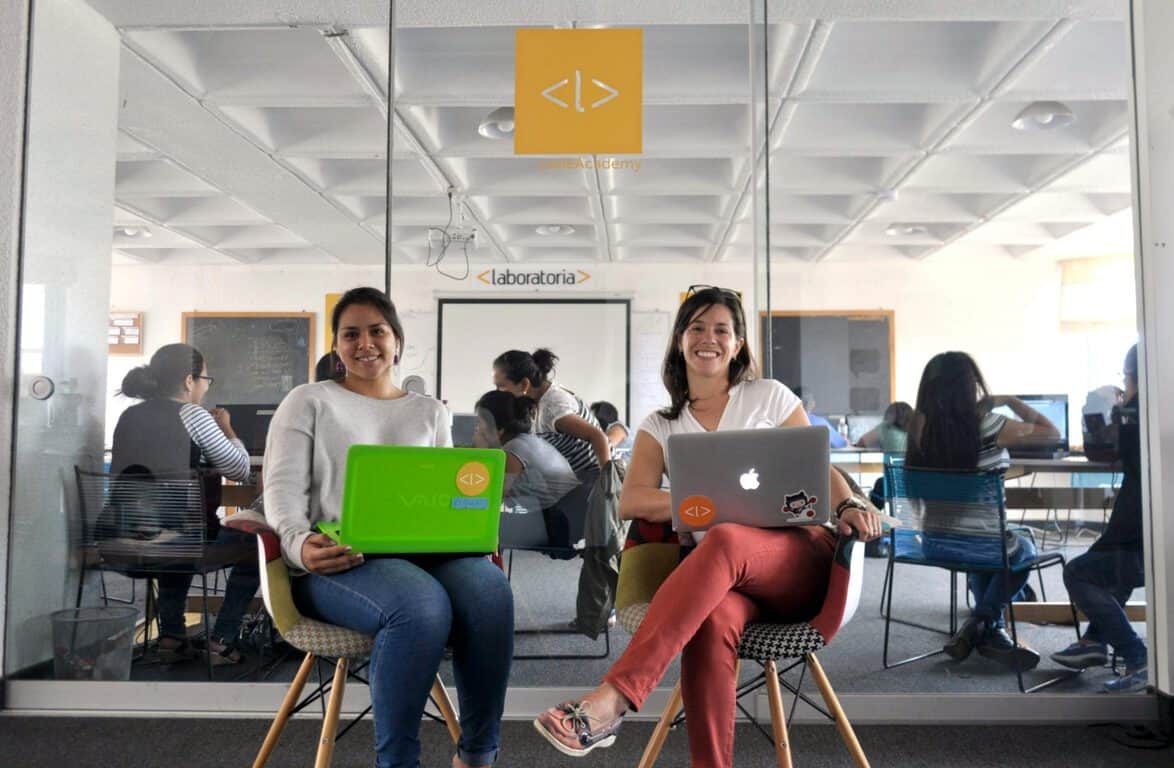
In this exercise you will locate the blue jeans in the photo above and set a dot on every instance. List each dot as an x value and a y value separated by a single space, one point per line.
229 547
991 590
1099 583
413 608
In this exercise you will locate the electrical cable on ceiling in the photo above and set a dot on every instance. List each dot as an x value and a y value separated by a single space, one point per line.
447 238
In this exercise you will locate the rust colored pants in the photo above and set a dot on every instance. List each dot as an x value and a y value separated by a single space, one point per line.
735 575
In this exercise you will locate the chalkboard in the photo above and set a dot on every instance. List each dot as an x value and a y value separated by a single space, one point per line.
255 357
844 359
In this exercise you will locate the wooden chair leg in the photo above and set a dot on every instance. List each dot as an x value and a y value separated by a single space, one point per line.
442 701
330 721
778 716
661 731
842 724
283 713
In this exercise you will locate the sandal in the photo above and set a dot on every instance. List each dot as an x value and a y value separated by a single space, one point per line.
569 729
222 653
173 650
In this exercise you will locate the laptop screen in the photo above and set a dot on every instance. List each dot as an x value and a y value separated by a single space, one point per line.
251 424
1054 407
463 425
860 424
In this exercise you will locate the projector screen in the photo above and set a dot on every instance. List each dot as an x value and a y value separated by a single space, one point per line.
590 337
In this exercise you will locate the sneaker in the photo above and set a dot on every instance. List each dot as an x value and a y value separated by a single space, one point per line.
572 731
1134 679
997 645
1082 656
964 640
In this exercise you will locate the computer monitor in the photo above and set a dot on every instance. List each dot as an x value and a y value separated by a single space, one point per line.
250 421
463 425
860 424
1054 407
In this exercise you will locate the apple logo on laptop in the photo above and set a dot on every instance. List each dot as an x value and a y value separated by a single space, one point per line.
749 480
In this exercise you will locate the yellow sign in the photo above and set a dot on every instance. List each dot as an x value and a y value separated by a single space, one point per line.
472 478
578 91
331 300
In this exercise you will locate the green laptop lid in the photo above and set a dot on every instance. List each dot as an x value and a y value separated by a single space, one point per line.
412 500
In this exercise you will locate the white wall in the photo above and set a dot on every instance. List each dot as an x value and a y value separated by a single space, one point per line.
1003 311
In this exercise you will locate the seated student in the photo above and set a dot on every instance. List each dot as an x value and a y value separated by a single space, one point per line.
328 367
618 435
891 435
835 439
736 573
413 605
1101 580
537 475
171 432
562 418
954 428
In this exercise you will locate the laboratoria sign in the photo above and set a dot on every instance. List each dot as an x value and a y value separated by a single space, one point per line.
537 278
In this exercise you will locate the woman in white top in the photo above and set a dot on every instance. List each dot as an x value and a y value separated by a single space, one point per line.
735 574
412 605
562 418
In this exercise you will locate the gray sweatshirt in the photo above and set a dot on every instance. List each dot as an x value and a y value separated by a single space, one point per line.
305 453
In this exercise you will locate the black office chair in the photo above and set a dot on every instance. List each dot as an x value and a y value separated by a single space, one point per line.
143 526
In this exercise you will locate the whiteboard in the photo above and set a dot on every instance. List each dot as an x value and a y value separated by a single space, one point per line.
590 337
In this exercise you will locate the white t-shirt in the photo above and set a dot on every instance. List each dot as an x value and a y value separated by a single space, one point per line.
556 403
757 404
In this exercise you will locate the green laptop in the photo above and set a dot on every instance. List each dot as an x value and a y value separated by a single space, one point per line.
412 500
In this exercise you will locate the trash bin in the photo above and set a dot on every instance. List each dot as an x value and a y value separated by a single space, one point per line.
93 643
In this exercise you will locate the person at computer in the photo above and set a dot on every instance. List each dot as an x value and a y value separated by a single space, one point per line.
171 432
892 434
736 573
1102 579
835 439
954 427
619 436
536 474
413 605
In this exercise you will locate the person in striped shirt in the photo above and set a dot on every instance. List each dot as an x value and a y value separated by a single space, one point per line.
170 431
954 426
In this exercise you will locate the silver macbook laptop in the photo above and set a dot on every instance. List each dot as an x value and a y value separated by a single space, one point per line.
767 478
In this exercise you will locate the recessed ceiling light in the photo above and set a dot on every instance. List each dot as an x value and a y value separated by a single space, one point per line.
1043 116
131 231
554 229
905 230
499 124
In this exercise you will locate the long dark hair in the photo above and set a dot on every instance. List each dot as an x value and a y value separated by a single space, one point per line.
519 366
945 429
512 415
370 297
164 375
673 371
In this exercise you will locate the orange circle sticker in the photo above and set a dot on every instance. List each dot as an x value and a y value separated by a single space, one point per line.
696 511
472 478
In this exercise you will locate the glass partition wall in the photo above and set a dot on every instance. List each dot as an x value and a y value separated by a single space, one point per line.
876 190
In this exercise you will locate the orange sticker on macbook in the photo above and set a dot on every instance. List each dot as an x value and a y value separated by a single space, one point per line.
696 511
472 478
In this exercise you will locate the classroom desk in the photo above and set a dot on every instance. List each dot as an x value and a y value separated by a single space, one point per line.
237 495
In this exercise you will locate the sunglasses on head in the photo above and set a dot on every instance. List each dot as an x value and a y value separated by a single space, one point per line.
695 289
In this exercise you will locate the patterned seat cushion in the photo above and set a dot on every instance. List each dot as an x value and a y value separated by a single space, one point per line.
323 639
630 616
764 641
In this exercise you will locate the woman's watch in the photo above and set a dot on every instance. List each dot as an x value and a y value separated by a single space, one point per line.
851 501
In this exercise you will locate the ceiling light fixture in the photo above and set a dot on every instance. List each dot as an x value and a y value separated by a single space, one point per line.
906 230
499 124
1043 116
130 231
554 229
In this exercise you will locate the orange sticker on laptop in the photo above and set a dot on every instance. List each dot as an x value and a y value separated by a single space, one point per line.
696 511
472 478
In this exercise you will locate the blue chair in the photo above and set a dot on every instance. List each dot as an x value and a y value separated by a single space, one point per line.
962 511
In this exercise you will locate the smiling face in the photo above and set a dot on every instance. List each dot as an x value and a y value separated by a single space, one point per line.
709 342
365 343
